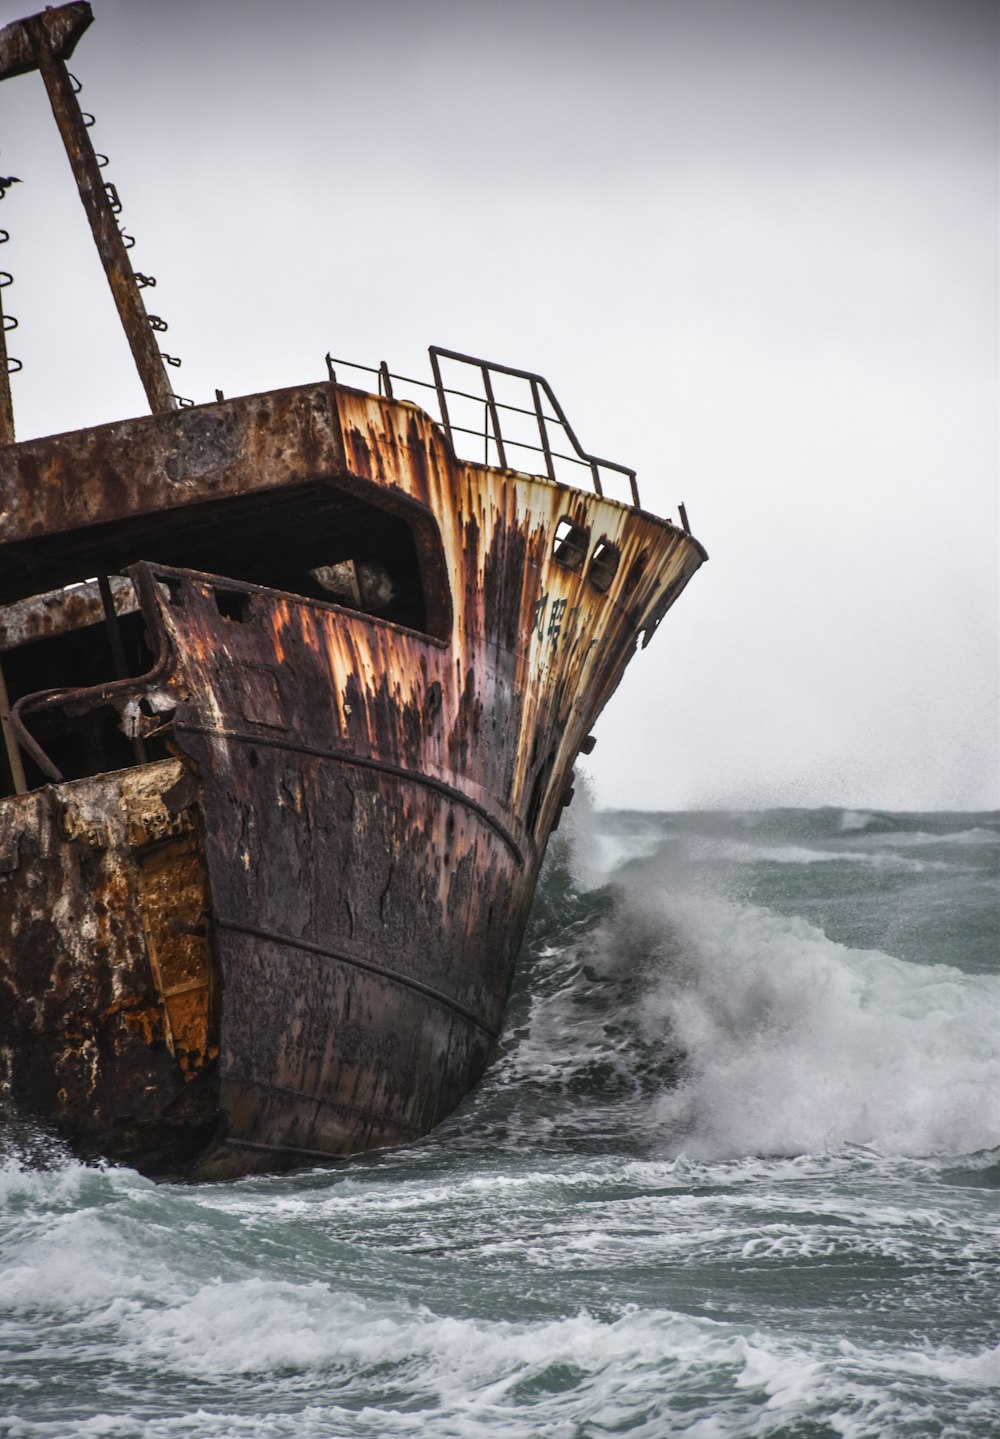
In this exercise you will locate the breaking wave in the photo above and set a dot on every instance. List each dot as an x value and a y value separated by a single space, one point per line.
728 1176
705 1024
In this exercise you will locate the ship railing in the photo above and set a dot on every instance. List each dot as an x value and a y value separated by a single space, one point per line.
508 431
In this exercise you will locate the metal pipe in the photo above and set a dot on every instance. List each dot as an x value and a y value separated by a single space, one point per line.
537 382
10 743
118 651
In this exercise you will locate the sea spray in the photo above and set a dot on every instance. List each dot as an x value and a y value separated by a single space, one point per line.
794 1043
761 1034
713 1185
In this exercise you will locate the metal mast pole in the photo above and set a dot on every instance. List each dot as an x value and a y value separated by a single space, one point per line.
44 42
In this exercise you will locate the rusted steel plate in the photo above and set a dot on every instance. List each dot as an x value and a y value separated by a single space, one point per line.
376 804
60 611
374 800
525 621
95 501
93 877
60 27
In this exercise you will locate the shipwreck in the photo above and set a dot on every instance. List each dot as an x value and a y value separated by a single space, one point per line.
291 696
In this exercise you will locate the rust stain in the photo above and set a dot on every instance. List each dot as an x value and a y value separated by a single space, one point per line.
305 923
281 779
83 1026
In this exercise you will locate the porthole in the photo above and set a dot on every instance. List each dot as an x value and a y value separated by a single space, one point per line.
569 548
604 564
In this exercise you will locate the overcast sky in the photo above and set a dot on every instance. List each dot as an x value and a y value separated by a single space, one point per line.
752 245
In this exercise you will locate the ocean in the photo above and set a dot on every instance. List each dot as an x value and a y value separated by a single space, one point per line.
734 1172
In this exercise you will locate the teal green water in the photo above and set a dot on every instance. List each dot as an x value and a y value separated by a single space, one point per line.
735 1171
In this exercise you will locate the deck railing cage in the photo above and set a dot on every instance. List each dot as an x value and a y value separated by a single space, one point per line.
509 431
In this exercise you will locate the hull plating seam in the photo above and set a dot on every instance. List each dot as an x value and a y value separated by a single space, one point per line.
290 1149
425 989
363 762
247 1081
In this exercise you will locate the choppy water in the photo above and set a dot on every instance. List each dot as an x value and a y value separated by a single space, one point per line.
735 1172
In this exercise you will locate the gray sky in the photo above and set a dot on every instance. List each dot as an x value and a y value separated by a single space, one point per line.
753 246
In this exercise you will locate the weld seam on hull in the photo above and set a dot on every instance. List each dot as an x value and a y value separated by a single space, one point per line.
272 937
364 762
290 1149
266 1087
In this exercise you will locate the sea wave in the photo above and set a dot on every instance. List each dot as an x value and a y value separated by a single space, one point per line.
709 1130
853 819
795 1043
978 834
737 852
724 1029
309 1361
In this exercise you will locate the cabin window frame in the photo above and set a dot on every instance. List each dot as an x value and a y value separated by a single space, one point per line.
570 544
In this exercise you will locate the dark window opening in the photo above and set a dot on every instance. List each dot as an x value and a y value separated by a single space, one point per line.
232 604
79 743
321 542
604 564
570 546
298 539
341 543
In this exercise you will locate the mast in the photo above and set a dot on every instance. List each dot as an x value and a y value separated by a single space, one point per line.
45 42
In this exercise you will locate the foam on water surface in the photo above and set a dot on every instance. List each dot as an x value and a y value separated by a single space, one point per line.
728 1176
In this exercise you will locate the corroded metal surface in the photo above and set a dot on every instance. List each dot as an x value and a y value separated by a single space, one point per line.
60 612
60 29
108 496
369 802
296 935
98 881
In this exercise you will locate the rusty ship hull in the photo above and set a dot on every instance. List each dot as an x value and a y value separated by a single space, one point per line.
290 697
286 927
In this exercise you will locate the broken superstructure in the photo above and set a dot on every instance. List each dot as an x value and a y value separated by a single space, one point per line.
292 699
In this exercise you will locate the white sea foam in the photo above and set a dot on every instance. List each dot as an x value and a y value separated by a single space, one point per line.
736 852
649 1373
518 1290
853 819
127 1280
597 851
795 1043
612 851
979 834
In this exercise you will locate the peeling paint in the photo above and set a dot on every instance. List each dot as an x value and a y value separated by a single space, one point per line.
296 936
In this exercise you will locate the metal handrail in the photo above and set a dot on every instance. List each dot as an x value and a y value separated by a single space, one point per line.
491 412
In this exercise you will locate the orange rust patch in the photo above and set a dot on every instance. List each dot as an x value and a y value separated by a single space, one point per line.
173 903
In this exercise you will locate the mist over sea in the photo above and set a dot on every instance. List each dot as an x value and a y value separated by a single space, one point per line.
735 1171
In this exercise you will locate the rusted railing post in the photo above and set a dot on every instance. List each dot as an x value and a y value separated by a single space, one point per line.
10 743
543 432
439 388
495 417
